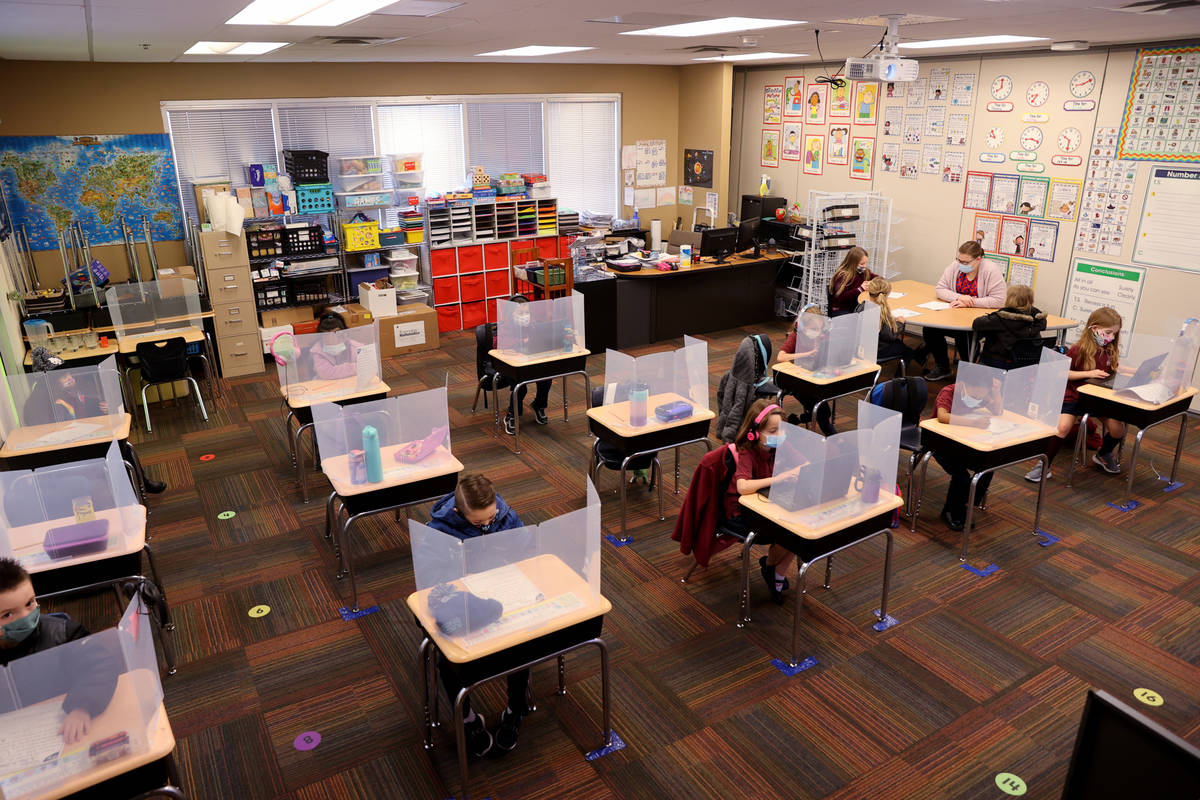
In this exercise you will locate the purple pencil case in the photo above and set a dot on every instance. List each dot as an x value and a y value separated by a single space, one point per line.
77 539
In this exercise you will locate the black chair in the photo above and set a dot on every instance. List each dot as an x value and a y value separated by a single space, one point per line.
485 372
165 361
607 456
1027 351
908 396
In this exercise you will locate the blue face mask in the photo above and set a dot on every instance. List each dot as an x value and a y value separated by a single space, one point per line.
19 630
772 440
966 269
972 402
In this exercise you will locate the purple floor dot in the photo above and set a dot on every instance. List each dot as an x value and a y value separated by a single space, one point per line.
307 740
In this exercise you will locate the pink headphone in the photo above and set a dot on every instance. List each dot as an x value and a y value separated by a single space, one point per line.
752 434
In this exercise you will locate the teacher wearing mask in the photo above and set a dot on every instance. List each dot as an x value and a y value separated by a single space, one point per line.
970 281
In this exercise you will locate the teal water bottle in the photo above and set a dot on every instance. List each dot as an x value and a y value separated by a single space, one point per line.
639 394
370 448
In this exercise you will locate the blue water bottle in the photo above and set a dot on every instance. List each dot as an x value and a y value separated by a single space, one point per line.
370 438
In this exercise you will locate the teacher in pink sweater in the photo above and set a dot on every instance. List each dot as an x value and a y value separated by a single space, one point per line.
970 281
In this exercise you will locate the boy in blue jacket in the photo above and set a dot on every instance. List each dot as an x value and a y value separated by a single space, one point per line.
474 509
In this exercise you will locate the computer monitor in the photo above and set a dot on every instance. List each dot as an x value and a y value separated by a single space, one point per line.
718 243
1120 753
747 234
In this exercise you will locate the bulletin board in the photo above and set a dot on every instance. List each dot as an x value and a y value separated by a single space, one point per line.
1168 235
1163 89
1093 284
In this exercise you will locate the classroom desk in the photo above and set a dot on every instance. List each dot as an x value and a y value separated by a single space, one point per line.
83 357
523 370
123 714
777 525
609 424
1100 401
653 306
402 485
299 399
495 651
986 452
24 448
820 387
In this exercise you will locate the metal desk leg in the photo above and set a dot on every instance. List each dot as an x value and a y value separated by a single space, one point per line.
1137 446
744 609
423 657
657 470
302 461
216 381
676 477
971 509
329 516
828 572
605 698
460 734
562 676
495 411
1079 450
287 431
1183 420
348 559
564 393
624 537
887 574
1037 511
920 491
796 617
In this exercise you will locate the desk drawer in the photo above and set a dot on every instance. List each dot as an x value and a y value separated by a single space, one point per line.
230 285
235 319
221 249
240 355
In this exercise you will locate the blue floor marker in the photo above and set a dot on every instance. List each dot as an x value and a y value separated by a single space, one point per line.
1047 539
615 541
614 744
982 573
1130 506
1171 485
348 615
885 623
789 670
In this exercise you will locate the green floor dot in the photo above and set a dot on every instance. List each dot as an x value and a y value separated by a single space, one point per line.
1010 784
227 515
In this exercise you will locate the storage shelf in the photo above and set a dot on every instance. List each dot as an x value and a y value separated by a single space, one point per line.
287 259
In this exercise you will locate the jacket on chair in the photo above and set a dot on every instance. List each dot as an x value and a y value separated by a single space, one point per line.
696 526
746 381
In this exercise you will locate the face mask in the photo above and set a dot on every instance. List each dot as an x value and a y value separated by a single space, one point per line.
972 402
1101 338
862 268
334 349
772 440
19 630
966 269
486 528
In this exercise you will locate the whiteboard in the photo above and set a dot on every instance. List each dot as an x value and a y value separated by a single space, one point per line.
1093 284
1168 235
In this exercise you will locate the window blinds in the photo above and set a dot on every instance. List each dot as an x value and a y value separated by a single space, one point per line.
582 162
213 143
505 137
436 131
338 130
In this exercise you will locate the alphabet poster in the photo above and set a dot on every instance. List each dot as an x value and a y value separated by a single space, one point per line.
793 96
770 148
862 154
866 103
814 154
1160 112
839 140
815 103
793 138
839 100
772 105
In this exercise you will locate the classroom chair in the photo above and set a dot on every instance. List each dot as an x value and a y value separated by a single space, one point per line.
484 371
609 457
908 396
165 361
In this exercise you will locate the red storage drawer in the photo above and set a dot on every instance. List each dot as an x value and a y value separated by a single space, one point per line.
495 256
564 245
442 262
491 310
445 290
473 314
449 319
470 259
497 283
470 288
518 259
547 247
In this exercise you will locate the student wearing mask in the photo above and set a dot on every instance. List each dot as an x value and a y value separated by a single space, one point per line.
970 281
982 398
847 282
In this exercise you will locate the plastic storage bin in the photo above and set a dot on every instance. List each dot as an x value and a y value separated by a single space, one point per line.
360 235
404 279
314 198
364 199
360 183
402 259
307 166
309 240
406 162
409 180
408 198
361 165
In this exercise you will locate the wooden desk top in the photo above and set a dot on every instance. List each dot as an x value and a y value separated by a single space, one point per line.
615 417
306 393
982 439
440 462
552 577
126 534
698 265
80 354
859 367
1104 393
111 328
23 440
791 521
916 292
128 344
514 359
148 744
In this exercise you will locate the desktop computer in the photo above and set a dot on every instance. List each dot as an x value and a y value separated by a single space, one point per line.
718 243
756 207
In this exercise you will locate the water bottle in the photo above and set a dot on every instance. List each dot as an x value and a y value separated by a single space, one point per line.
639 395
370 438
685 256
358 467
568 343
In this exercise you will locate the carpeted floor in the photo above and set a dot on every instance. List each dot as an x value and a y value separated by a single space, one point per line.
982 675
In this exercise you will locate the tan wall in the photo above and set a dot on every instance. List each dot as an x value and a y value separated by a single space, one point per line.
705 121
124 98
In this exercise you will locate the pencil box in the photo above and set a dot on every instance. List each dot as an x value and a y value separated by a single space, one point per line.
670 412
77 539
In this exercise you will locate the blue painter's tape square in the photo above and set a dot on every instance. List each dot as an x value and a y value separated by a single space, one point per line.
1047 539
616 541
789 670
887 622
1171 485
615 743
1123 507
348 615
982 573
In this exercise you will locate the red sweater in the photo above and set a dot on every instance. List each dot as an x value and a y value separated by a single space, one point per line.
1071 395
846 300
754 463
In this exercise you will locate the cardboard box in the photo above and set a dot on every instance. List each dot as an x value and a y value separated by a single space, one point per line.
276 317
170 288
380 302
353 314
411 329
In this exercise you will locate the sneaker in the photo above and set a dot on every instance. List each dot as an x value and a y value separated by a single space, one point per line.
937 374
1108 462
773 586
981 500
1034 475
479 741
539 416
794 420
508 731
510 425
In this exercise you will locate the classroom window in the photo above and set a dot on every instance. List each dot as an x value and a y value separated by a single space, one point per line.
436 131
216 143
582 157
340 130
506 137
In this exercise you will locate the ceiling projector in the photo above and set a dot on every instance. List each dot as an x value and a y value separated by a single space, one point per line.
881 68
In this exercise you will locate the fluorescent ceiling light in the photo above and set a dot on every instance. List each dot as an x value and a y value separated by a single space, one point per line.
970 41
752 57
535 50
709 27
233 48
313 13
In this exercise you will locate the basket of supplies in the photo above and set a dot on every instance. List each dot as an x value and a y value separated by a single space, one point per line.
360 234
314 198
307 166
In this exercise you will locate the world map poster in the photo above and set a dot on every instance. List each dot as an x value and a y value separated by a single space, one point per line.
51 181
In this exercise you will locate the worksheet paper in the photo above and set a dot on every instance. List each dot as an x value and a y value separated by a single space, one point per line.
935 305
366 367
905 313
67 433
29 736
507 584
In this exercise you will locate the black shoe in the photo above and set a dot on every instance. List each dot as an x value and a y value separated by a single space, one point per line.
508 731
539 416
768 573
952 522
937 374
479 741
794 420
981 500
510 425
155 487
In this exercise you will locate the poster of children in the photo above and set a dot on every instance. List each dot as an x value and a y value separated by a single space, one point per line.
792 137
839 101
814 156
814 104
772 105
862 149
889 158
866 104
770 149
839 138
793 96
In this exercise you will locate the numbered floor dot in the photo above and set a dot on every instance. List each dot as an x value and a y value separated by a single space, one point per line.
1148 696
227 515
307 740
207 457
1010 784
259 611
